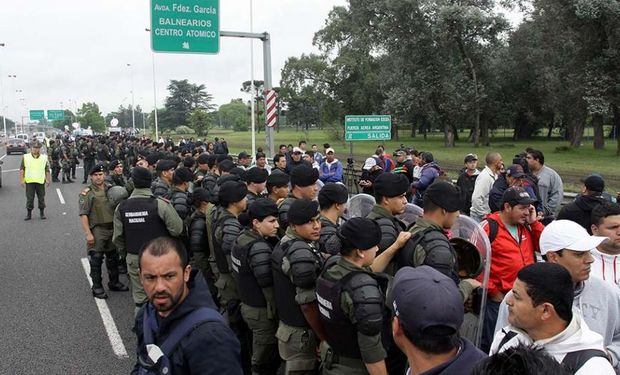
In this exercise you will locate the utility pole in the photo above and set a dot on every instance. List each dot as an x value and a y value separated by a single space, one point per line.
133 110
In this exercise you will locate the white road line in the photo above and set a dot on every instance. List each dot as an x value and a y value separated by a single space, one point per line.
3 156
9 170
62 200
108 321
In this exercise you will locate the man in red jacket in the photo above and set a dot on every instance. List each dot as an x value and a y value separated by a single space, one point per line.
514 232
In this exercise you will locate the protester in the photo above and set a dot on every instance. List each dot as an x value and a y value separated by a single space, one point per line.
606 223
550 184
484 182
467 181
580 210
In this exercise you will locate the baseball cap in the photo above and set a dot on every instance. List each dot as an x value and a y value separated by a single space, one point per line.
243 155
470 157
297 150
515 171
517 195
330 150
399 152
423 297
594 182
567 234
369 163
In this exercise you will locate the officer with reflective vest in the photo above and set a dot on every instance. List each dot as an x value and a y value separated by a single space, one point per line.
352 301
391 200
303 185
251 266
139 219
333 200
296 264
34 175
96 218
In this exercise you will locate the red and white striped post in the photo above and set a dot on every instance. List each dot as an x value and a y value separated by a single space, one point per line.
271 108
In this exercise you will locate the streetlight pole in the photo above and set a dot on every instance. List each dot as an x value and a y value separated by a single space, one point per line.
6 135
133 110
252 106
154 91
14 76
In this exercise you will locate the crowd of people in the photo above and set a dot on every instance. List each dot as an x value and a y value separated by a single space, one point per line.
238 266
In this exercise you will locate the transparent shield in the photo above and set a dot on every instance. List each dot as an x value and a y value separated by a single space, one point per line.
360 205
411 214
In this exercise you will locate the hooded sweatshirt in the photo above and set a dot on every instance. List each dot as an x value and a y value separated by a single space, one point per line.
606 267
576 336
598 303
580 210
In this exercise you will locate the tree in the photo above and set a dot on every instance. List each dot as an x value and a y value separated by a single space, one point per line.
235 115
124 116
200 121
68 119
183 99
90 116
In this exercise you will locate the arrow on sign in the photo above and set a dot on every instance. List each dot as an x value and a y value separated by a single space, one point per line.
185 45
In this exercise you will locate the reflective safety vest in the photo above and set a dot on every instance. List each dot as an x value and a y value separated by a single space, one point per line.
34 169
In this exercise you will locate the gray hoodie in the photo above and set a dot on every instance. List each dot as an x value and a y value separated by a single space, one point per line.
599 304
576 336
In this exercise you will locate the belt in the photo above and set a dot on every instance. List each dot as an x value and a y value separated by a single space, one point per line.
106 225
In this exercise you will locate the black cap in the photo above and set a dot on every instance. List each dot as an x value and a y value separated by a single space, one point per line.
201 195
360 233
334 193
232 191
302 211
594 183
304 175
228 177
425 298
96 169
152 158
203 159
182 175
239 172
256 175
165 165
114 164
517 195
445 195
226 165
261 208
141 177
243 155
391 185
516 171
277 179
470 157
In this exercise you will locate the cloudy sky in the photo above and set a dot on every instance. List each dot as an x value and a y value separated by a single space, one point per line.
66 52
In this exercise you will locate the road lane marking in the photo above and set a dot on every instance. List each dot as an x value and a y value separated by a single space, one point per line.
9 170
62 200
3 156
108 321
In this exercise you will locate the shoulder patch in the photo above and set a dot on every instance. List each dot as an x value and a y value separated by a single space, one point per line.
164 199
85 191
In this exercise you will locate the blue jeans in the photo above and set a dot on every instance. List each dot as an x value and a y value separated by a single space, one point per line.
491 312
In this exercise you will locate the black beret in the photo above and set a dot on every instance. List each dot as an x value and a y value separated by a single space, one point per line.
360 233
201 195
226 165
203 159
304 175
165 165
182 175
141 177
261 208
114 164
302 211
239 172
97 168
334 193
391 185
445 195
189 162
152 158
228 177
256 175
278 179
232 191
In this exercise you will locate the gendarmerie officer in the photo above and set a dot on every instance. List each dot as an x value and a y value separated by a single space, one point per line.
97 217
251 265
296 263
391 197
352 301
115 176
256 178
198 238
139 219
162 186
333 202
303 186
180 199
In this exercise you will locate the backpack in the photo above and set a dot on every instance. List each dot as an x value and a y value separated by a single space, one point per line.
493 229
190 322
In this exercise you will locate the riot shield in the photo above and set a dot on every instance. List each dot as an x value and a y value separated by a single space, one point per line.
411 214
467 229
359 205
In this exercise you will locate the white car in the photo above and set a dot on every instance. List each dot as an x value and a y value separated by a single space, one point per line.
24 137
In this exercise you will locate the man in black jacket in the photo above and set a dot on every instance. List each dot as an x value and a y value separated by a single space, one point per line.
580 210
177 295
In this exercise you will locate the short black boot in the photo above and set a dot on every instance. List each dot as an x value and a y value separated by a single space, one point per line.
111 263
28 215
42 210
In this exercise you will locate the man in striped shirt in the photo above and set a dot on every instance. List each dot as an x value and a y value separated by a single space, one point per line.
606 223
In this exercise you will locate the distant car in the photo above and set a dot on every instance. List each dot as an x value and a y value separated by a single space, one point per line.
16 145
24 137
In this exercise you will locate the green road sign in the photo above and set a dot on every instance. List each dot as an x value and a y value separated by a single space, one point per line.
185 26
55 114
367 127
37 114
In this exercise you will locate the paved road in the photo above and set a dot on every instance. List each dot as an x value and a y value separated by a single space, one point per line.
49 321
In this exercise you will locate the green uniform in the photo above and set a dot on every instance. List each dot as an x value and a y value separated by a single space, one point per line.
371 346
